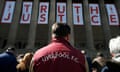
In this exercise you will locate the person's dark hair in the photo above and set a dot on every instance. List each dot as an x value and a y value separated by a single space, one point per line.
100 54
60 29
10 49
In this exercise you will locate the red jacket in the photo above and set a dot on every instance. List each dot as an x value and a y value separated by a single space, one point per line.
58 56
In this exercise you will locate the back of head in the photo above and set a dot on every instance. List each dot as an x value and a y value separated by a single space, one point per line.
27 58
114 45
99 54
25 62
60 30
10 49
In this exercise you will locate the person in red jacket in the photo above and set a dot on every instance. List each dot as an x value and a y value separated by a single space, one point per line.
59 55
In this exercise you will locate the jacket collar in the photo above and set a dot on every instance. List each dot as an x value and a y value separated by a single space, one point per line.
116 58
60 39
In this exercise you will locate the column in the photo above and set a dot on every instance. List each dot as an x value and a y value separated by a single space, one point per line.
88 26
70 20
15 22
2 3
104 23
51 16
33 25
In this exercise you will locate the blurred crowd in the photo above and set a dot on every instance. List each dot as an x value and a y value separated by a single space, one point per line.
9 62
60 56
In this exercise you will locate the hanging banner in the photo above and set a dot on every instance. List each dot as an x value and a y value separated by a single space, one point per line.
61 12
43 13
8 12
26 13
77 14
112 14
94 14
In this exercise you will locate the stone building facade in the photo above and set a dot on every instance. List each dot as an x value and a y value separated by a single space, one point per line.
26 24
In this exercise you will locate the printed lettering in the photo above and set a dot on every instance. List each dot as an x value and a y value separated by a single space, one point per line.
76 60
112 14
61 10
95 19
77 13
26 13
8 16
27 7
94 9
77 9
113 18
61 17
64 55
94 14
111 9
78 19
43 13
25 17
43 8
8 12
42 17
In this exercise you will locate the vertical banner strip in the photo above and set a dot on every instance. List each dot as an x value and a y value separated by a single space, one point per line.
8 12
43 13
94 14
112 14
61 12
77 14
26 13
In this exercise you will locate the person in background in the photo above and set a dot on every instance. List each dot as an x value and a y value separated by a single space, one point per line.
98 63
59 55
8 60
20 57
114 47
24 64
89 60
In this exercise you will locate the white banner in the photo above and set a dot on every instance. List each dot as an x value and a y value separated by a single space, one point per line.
61 12
26 13
94 14
77 14
8 12
112 14
43 13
